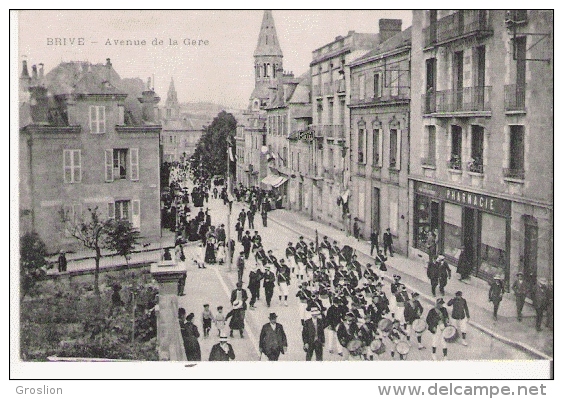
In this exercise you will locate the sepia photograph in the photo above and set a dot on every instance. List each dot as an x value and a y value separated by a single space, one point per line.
372 188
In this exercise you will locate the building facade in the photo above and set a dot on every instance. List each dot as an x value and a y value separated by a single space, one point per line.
379 128
481 166
85 142
331 124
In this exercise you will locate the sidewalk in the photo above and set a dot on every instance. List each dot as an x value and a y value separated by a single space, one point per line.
521 335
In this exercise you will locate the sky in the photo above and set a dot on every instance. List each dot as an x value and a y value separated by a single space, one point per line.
220 71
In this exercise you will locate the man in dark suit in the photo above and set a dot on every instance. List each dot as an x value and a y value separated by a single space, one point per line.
388 242
520 290
374 241
313 335
242 217
246 243
273 340
250 217
269 284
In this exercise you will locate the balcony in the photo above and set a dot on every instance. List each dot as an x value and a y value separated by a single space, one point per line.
515 97
475 167
461 24
454 163
317 91
390 95
517 174
469 99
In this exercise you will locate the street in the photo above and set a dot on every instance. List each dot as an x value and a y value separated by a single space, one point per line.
213 285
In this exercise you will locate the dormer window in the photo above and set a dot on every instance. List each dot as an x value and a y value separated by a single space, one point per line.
97 119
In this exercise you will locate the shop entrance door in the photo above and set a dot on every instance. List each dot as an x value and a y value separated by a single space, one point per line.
375 211
435 224
469 234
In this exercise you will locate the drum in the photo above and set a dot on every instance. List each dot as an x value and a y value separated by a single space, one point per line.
377 347
402 347
354 347
419 326
385 325
450 334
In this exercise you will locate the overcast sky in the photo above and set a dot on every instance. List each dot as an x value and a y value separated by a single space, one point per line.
220 72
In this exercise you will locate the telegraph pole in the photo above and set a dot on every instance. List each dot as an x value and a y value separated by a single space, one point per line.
229 204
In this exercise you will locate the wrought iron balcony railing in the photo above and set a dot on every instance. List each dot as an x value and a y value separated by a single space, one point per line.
514 173
515 97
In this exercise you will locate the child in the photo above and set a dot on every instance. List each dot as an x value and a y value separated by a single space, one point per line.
207 319
220 320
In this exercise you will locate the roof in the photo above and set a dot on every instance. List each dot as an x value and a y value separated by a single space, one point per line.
267 38
395 42
302 92
82 78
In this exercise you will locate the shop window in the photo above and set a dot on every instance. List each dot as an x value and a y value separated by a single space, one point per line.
422 222
452 229
455 156
493 244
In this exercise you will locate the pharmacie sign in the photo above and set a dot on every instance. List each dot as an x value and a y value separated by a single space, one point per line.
479 201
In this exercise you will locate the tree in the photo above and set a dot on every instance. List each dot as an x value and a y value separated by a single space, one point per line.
91 232
210 156
33 265
121 238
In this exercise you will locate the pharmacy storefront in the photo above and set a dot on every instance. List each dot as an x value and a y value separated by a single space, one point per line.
463 219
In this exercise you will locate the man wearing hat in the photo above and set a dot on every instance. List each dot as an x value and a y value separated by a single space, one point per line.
282 274
313 335
301 244
520 290
388 242
254 278
240 265
269 283
290 255
413 311
273 340
334 315
444 272
246 243
62 262
437 319
495 294
223 351
460 314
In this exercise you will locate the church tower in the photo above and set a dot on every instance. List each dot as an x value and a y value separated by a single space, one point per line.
268 62
172 107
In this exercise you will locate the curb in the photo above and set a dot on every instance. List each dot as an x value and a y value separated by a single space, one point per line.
517 345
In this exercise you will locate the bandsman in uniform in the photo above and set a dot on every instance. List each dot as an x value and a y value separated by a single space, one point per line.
437 319
413 311
290 255
460 314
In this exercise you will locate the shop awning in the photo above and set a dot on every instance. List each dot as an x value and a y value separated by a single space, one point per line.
274 180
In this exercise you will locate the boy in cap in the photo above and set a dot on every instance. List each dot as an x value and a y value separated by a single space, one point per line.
437 320
207 319
223 351
460 314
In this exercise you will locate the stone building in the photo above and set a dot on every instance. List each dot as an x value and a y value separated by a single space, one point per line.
481 145
87 139
379 129
331 122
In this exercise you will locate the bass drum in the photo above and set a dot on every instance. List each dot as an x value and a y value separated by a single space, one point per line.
419 326
385 325
450 334
354 347
402 347
377 347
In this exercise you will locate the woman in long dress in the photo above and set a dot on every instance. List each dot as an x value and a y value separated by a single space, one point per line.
210 250
190 334
237 318
221 253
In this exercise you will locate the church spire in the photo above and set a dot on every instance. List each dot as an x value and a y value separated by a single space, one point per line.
268 44
172 98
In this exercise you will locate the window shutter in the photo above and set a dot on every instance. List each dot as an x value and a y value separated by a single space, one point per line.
109 165
92 119
111 210
77 170
101 119
398 154
67 166
136 219
134 159
380 136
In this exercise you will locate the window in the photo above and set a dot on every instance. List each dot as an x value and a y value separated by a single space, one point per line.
72 166
119 210
97 119
394 83
116 163
362 83
376 148
393 147
516 161
377 85
477 137
455 158
73 215
493 244
361 145
431 149
121 114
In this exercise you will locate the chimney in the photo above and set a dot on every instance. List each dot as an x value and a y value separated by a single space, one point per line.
41 76
148 104
24 74
108 71
34 72
389 28
39 104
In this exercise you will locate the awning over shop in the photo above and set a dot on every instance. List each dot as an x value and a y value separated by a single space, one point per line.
274 180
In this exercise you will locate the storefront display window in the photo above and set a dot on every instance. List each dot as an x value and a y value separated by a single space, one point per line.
422 222
452 229
493 244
